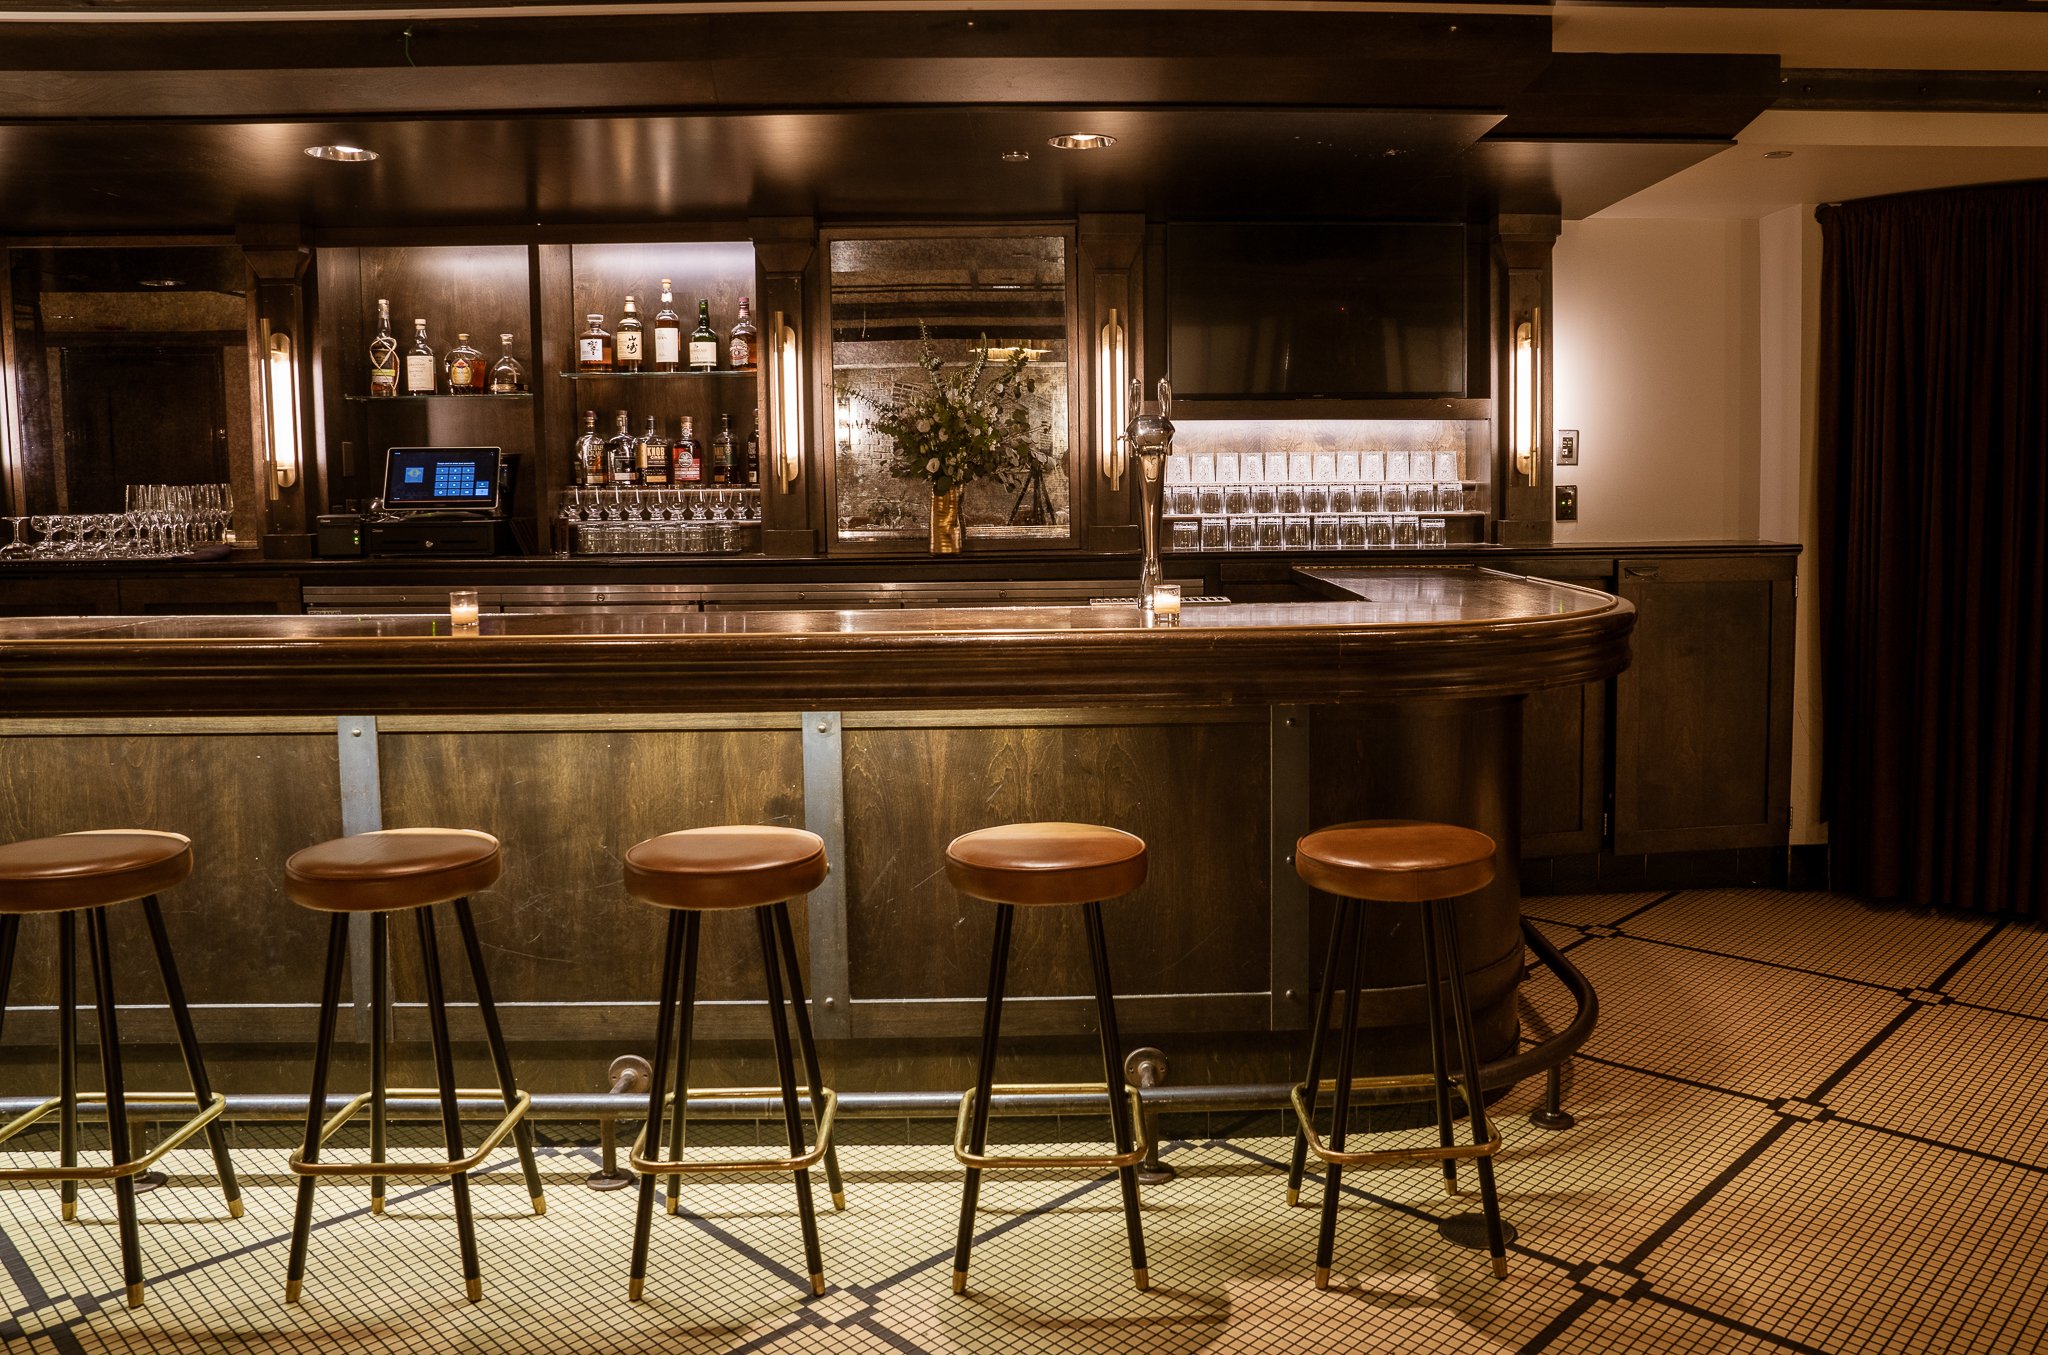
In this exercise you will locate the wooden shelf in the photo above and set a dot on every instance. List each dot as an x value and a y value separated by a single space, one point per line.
658 376
401 399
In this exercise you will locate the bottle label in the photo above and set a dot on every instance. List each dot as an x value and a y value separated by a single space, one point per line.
590 350
742 352
419 373
689 469
503 384
460 375
629 345
384 377
703 353
668 346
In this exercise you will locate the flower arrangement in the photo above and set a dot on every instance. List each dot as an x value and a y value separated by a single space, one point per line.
950 428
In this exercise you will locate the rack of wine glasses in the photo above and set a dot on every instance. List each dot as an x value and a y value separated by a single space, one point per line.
160 522
664 520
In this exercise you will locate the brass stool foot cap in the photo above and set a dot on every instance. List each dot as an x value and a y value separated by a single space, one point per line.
291 1291
1143 1276
70 1210
838 1200
1293 1198
636 1289
376 1204
134 1296
959 1281
675 1204
540 1206
1450 1187
476 1290
1500 1267
1322 1277
234 1209
818 1283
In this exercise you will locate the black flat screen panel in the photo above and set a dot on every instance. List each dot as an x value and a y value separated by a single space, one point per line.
1359 310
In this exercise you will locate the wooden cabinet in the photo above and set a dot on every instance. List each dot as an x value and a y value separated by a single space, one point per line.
1564 739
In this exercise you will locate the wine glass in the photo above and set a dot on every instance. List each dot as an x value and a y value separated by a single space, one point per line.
17 547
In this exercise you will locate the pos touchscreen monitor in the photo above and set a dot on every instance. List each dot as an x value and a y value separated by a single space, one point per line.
417 478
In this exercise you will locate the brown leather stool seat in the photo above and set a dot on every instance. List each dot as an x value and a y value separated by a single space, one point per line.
395 868
1395 860
1037 864
739 866
92 869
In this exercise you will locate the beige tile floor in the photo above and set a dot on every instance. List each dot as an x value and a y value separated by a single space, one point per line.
1802 1125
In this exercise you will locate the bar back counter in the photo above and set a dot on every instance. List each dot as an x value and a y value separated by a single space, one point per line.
888 732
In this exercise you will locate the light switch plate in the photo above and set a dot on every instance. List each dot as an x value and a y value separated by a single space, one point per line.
1567 446
1567 503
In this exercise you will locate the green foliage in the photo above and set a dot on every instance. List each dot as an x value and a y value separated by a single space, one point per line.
953 427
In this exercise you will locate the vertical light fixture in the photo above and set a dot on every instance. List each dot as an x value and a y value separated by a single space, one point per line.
1524 432
785 401
281 407
1112 398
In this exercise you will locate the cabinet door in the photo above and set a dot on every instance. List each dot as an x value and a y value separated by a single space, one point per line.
1564 739
1703 715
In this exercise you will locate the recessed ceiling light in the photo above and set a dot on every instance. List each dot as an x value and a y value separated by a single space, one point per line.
159 282
1081 141
1777 155
347 154
1015 157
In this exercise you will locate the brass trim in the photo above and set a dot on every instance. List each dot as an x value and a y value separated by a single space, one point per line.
985 1161
115 1172
499 1133
1369 1157
664 1167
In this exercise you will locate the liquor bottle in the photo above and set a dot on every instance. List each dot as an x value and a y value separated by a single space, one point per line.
627 343
687 463
721 453
507 376
618 454
590 468
703 343
420 362
464 368
651 456
594 347
668 333
383 354
753 456
741 345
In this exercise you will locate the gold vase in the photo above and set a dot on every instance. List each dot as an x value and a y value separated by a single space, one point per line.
949 532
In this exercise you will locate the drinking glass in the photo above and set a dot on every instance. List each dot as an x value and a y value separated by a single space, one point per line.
1265 499
1433 532
1236 499
17 546
1244 533
1296 533
1407 530
1379 531
1352 533
1315 498
1290 498
1328 535
1215 534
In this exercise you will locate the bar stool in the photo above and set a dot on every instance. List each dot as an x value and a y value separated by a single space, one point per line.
90 872
382 873
1396 861
690 873
1035 865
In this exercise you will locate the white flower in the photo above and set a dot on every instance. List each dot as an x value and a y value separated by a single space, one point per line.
924 425
932 466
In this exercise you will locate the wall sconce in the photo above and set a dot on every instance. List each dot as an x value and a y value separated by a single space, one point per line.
281 407
1112 398
785 402
1523 433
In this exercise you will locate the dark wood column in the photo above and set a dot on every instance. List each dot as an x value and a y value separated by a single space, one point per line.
278 256
792 515
1522 245
1112 287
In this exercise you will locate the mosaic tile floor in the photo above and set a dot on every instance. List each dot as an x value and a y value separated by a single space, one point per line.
1802 1125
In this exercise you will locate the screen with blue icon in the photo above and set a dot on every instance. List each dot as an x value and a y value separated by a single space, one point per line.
446 477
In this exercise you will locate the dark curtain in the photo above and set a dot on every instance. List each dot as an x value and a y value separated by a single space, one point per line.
1933 449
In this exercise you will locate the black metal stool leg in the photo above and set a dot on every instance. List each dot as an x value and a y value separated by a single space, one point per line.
451 1117
188 1044
664 1033
807 1045
501 1055
1461 1011
316 1103
984 1079
1339 918
117 1100
1113 1076
380 1038
1326 1239
1439 1062
67 1056
686 1023
792 1111
10 932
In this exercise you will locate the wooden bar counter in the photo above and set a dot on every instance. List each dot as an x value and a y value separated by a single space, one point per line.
1219 740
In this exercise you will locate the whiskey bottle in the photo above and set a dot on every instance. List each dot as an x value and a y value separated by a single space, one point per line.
618 454
703 343
589 468
464 368
627 343
687 463
594 347
383 355
651 456
741 345
668 333
420 363
752 463
722 466
507 376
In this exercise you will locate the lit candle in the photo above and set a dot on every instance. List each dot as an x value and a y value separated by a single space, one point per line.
1166 601
462 609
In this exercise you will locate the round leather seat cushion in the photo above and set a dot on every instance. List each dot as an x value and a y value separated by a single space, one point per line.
90 869
394 868
1046 863
736 866
1395 860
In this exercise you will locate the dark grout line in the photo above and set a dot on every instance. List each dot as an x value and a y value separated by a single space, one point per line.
1970 953
1707 1192
1736 1324
1672 1077
1980 1153
1856 1059
1891 988
1665 897
1998 1011
1558 1325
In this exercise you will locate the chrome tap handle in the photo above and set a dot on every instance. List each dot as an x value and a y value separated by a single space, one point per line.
1165 399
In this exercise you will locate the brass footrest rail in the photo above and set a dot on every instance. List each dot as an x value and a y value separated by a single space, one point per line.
664 1167
1368 1157
984 1161
499 1133
207 1115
